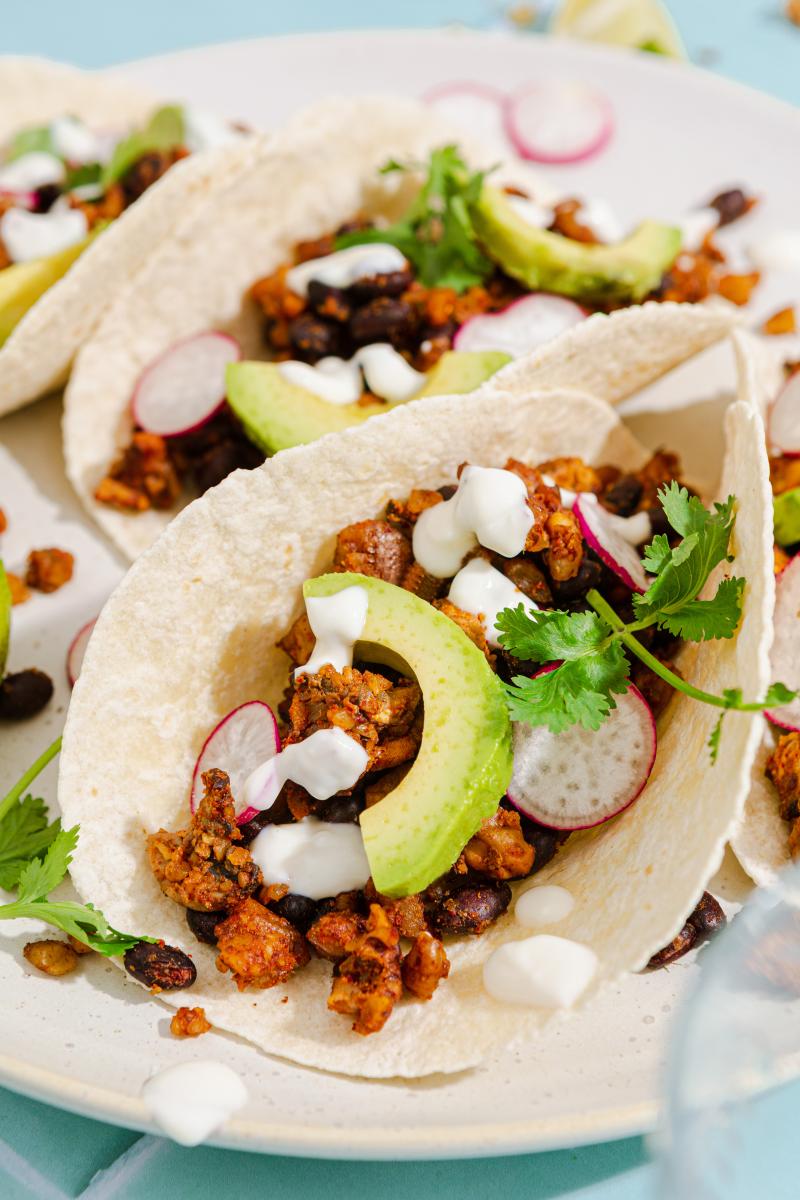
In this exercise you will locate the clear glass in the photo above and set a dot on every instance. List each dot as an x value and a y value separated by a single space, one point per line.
733 1095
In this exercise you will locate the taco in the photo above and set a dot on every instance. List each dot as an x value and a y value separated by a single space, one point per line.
78 153
364 258
400 551
768 838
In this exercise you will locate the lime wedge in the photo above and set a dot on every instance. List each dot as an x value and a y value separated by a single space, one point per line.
641 24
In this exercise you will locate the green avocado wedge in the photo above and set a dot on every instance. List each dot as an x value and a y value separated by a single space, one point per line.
22 284
464 763
5 618
277 414
548 262
787 517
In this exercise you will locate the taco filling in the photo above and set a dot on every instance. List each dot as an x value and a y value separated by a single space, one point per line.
470 276
62 183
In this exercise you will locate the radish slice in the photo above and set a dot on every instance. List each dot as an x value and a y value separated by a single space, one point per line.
783 423
27 200
77 650
606 534
785 655
526 324
242 741
559 121
475 106
578 778
185 386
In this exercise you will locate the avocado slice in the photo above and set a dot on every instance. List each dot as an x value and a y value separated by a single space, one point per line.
5 618
464 763
548 262
22 284
787 517
277 414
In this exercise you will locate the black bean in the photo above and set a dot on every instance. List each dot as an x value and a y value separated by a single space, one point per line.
508 665
545 841
327 301
250 829
46 197
471 909
203 924
339 810
589 576
24 694
708 917
144 172
163 967
447 491
730 205
383 320
659 523
313 338
681 944
218 463
529 578
623 496
392 284
300 911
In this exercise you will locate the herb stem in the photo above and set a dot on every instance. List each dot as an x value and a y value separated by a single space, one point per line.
27 779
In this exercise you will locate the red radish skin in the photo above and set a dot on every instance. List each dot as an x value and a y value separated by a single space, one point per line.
619 555
783 422
242 740
624 747
559 121
184 387
477 106
27 200
521 327
785 655
77 650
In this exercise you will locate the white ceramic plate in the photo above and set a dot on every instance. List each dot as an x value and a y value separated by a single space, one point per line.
88 1041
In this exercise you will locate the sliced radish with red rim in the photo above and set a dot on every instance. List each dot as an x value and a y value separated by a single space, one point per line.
185 386
477 107
606 535
242 741
522 327
77 650
580 778
559 121
785 655
783 421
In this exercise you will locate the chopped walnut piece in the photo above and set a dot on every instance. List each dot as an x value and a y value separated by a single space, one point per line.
418 581
80 948
202 867
567 222
19 592
564 554
407 913
782 321
3 521
369 983
333 932
299 641
543 501
373 548
738 288
572 473
424 966
405 512
471 625
51 956
783 770
258 947
780 558
659 470
784 474
48 570
143 476
189 1022
499 849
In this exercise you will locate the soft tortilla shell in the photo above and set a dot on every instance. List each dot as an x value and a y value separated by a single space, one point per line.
317 173
37 356
190 633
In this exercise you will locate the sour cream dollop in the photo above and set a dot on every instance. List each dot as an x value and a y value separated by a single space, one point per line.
326 763
31 171
28 235
313 858
543 904
481 589
73 141
337 623
346 267
489 508
338 380
207 130
543 971
192 1099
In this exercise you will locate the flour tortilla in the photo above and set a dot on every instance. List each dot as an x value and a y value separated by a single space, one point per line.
318 172
191 632
36 357
761 842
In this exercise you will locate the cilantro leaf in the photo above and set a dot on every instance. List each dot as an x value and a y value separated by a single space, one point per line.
578 692
436 232
41 876
549 635
714 738
24 834
777 695
165 130
700 620
657 554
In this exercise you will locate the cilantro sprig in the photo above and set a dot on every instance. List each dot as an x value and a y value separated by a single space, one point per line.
436 232
593 649
34 858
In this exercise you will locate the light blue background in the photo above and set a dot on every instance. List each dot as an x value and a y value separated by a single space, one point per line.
55 1156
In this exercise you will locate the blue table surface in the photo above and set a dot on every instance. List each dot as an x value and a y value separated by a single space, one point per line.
52 1155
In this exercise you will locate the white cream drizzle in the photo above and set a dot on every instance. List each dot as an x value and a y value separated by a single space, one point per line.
28 235
635 529
696 225
530 211
337 623
313 858
338 380
543 971
328 762
481 589
489 509
190 1100
543 904
76 143
31 171
345 267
